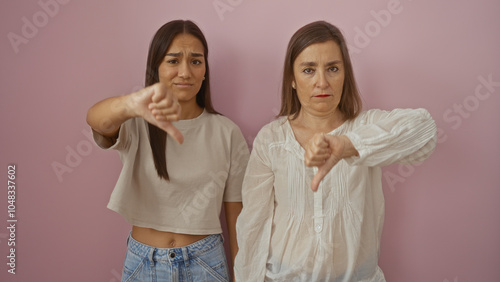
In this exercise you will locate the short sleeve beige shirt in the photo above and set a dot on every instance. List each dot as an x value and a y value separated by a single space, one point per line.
204 171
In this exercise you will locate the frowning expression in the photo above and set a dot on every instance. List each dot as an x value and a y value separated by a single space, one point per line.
183 67
319 77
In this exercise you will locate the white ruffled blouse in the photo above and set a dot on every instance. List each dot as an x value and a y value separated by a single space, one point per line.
286 232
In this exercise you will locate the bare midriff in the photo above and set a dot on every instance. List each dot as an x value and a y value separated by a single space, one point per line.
161 239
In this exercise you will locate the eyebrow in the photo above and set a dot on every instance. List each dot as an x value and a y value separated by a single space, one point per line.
180 54
313 64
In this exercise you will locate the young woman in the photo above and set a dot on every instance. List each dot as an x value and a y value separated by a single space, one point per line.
313 207
172 186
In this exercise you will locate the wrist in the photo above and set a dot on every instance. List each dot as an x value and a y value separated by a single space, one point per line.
349 149
129 103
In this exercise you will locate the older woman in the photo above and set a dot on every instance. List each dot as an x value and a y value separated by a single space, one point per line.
313 206
174 212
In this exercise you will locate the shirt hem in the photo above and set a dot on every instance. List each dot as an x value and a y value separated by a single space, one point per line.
145 224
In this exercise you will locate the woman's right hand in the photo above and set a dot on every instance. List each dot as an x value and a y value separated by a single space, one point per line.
324 152
158 106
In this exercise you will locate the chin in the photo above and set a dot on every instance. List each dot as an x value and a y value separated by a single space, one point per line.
185 98
326 108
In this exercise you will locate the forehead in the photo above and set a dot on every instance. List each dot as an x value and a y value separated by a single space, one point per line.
185 42
320 52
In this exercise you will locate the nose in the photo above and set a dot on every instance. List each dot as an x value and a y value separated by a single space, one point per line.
321 81
184 70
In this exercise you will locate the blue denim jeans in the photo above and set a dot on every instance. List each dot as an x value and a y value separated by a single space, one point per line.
204 260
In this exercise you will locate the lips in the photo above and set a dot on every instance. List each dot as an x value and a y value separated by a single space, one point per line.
183 84
322 96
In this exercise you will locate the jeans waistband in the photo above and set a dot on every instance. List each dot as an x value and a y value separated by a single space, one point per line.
174 254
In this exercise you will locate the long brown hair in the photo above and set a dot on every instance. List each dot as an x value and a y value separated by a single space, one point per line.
157 51
318 32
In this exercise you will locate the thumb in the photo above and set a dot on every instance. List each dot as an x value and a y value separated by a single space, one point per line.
323 171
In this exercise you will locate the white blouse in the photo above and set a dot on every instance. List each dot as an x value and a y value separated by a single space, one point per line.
286 232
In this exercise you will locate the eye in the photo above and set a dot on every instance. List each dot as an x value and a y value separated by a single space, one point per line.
308 70
333 69
196 62
173 61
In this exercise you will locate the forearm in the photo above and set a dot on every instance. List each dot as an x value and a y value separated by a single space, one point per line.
106 116
401 135
233 210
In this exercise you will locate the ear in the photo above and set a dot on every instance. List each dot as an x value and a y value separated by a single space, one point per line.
293 84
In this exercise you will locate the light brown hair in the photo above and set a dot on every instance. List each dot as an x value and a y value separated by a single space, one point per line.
318 32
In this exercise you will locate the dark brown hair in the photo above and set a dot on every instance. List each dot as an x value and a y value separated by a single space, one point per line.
318 32
157 51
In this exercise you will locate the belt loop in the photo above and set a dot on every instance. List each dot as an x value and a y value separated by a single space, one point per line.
185 255
129 236
151 256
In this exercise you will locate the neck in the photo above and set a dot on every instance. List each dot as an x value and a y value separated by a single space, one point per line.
319 123
190 110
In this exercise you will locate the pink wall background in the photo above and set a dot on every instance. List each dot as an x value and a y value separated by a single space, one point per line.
442 217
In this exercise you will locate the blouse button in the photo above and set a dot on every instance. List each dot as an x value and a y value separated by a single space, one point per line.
318 227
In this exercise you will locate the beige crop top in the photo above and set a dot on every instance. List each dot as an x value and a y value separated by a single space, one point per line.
204 171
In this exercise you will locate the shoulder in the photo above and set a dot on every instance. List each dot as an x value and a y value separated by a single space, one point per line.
220 121
277 125
225 128
223 125
274 131
366 115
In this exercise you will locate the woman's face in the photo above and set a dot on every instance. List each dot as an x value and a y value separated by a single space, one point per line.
183 68
319 77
